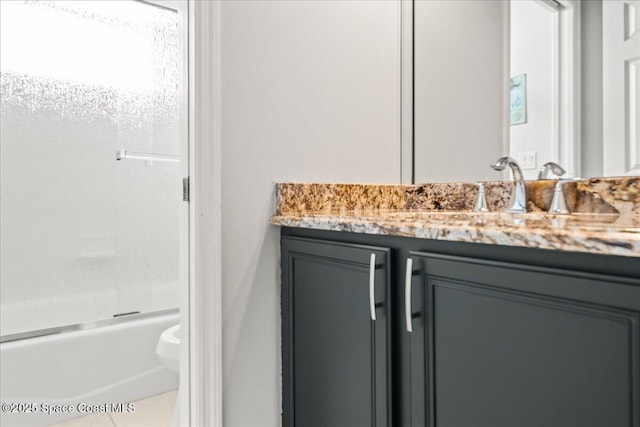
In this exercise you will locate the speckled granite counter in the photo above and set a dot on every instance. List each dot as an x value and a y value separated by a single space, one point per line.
606 218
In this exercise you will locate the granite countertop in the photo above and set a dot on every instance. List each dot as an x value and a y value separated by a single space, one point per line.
606 218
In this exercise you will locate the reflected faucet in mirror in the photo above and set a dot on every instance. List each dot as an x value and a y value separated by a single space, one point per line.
519 195
550 166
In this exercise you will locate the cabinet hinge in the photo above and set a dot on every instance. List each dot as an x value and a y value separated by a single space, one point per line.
185 189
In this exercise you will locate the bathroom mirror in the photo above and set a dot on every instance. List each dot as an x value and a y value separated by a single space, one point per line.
539 80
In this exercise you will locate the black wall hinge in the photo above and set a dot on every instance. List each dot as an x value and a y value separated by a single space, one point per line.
185 189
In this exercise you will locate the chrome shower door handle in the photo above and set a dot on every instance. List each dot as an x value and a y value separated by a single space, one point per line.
372 286
407 295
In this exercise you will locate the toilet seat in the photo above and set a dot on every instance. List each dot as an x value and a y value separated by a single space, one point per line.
168 348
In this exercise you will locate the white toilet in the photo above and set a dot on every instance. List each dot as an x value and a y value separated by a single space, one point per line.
168 351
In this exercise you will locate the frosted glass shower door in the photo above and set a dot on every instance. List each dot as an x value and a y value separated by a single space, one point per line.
91 127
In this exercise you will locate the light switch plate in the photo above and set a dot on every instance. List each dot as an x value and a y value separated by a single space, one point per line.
527 159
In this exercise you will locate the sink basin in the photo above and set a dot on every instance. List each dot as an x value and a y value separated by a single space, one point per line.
462 215
501 217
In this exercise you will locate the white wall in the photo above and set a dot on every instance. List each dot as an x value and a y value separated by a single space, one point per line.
532 44
310 92
460 88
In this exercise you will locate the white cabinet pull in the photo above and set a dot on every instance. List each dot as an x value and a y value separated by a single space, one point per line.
372 286
407 295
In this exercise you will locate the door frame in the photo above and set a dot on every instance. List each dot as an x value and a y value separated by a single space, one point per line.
200 397
201 306
566 101
569 147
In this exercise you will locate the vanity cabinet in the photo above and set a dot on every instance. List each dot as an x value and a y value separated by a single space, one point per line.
475 335
504 344
335 333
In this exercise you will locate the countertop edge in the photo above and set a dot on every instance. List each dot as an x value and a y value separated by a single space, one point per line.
593 241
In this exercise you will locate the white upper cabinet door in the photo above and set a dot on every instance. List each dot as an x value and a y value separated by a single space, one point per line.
621 88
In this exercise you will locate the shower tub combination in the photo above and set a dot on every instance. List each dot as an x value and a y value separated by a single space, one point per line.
110 363
92 126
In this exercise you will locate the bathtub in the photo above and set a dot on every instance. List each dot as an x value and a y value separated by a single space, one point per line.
104 365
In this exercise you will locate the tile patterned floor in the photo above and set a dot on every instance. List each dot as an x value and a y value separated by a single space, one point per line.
155 411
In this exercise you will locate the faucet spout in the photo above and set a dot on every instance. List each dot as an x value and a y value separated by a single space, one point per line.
554 167
519 195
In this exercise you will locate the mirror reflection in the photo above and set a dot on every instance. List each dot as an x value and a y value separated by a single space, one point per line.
539 80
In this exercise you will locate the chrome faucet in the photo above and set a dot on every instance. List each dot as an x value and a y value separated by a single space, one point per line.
554 167
519 194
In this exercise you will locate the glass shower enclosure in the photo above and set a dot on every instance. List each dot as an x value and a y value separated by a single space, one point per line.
90 184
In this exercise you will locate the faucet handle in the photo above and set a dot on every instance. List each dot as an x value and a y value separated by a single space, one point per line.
481 201
559 204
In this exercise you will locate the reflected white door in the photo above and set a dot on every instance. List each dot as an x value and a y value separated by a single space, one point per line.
621 87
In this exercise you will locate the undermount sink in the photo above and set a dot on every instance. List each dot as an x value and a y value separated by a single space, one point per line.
502 216
461 214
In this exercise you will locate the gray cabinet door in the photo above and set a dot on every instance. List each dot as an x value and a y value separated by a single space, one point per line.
498 344
336 359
